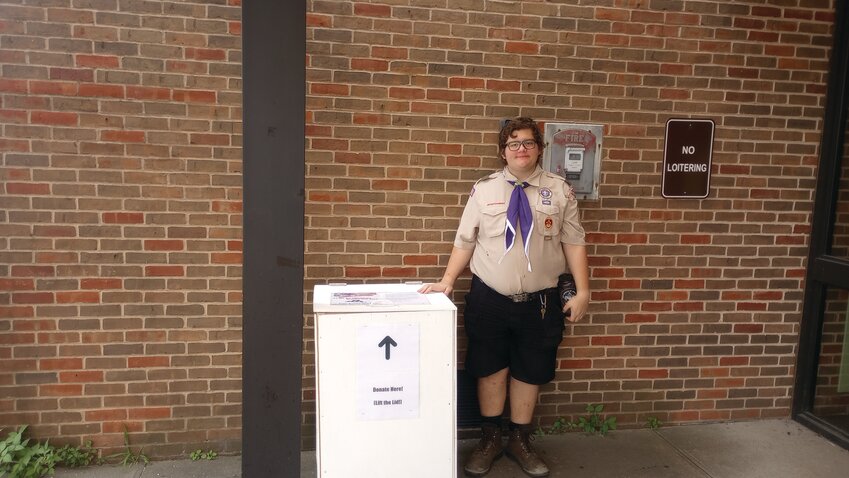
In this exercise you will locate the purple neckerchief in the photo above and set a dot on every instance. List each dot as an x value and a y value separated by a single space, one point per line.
519 214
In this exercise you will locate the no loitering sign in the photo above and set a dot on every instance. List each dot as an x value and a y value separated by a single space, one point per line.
687 153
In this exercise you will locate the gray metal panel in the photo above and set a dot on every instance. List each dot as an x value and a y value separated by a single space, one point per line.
573 151
274 48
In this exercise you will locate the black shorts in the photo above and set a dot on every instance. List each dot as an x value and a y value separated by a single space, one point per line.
515 335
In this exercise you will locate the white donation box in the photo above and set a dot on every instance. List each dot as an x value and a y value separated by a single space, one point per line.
386 382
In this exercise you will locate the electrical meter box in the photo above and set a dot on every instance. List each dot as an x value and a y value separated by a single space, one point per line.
386 381
574 152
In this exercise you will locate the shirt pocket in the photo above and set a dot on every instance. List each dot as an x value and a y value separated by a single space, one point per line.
493 220
547 219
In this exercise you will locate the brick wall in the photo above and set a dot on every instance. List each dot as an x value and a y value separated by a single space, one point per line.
120 226
120 218
696 304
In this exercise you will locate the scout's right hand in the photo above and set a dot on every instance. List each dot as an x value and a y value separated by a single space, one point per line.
437 287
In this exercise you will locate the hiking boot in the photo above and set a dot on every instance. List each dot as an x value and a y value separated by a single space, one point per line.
519 449
487 451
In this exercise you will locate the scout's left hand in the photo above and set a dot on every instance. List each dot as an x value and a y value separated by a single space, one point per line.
577 306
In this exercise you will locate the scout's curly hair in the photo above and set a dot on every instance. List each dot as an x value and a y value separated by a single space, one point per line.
514 125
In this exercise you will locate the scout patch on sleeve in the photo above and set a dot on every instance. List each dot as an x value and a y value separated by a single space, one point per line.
570 192
472 192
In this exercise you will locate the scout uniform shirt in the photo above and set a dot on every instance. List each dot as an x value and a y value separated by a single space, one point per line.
483 227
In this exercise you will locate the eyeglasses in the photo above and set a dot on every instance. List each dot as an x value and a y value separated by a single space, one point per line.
528 144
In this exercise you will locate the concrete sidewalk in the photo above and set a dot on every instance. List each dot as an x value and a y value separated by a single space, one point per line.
767 449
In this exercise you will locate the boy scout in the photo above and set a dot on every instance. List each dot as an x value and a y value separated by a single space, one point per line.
519 229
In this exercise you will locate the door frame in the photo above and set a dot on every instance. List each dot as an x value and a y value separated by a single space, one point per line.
824 270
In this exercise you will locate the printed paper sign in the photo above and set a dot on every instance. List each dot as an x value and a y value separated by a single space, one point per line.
388 371
378 298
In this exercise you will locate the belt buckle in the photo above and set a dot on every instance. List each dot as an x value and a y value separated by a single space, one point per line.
523 297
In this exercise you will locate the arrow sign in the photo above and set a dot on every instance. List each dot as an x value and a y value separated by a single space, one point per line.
388 343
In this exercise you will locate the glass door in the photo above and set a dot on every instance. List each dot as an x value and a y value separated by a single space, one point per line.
821 392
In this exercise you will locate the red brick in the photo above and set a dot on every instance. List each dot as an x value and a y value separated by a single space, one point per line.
106 414
57 390
33 298
97 61
502 85
28 188
13 116
62 88
402 272
205 54
152 413
122 136
146 362
164 271
369 10
194 96
695 239
54 118
81 376
357 271
324 196
227 206
33 271
601 340
390 53
13 86
60 364
748 328
123 218
466 83
654 373
423 260
18 311
316 20
77 297
733 361
16 284
101 91
72 74
522 48
226 258
164 245
148 93
56 257
406 93
576 364
389 185
100 283
369 64
330 89
640 318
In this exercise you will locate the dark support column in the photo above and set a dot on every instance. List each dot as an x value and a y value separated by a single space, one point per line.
274 49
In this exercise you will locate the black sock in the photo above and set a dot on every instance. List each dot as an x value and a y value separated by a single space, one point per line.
494 421
518 426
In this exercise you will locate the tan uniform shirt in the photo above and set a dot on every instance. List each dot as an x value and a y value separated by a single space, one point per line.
483 227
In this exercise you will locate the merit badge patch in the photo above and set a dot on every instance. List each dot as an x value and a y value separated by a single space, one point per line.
548 223
545 193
